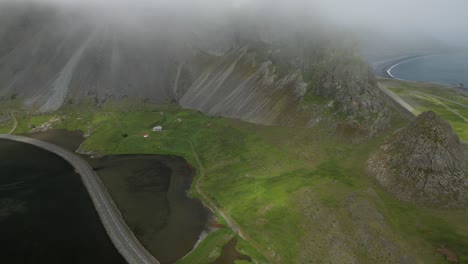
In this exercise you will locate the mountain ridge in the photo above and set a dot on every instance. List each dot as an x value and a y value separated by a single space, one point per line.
249 71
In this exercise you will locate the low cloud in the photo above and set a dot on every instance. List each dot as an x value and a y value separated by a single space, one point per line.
441 20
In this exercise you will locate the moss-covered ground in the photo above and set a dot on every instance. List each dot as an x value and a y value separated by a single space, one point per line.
296 193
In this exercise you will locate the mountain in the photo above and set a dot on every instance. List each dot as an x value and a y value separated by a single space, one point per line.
243 67
424 163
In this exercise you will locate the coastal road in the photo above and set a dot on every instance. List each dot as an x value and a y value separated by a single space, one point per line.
119 232
405 107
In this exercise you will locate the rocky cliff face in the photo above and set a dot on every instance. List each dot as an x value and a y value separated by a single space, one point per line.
240 86
424 163
351 84
240 68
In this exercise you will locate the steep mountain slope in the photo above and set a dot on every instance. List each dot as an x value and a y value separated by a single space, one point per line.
239 68
236 86
424 163
55 58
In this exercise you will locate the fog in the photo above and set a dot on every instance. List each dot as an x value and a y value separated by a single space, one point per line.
401 22
406 22
438 17
157 50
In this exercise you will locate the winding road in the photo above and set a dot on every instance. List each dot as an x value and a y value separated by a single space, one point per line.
119 232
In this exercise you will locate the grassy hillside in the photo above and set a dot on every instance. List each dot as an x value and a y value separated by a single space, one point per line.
450 103
297 194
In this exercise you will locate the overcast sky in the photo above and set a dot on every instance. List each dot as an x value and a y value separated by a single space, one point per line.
440 19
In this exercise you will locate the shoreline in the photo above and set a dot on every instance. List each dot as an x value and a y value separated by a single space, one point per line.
388 70
383 70
120 234
170 160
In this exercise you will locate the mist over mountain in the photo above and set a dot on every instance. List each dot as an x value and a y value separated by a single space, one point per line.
256 62
403 23
253 60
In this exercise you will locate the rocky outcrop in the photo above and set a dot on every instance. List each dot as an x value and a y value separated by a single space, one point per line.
238 86
272 88
352 85
424 163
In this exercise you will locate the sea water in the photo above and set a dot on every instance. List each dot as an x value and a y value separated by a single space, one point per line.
449 69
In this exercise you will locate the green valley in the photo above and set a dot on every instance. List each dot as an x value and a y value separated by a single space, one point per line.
448 102
297 194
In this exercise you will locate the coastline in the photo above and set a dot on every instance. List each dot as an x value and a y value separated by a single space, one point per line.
389 69
383 68
120 234
73 139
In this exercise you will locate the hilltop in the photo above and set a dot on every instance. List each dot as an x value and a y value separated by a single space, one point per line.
424 163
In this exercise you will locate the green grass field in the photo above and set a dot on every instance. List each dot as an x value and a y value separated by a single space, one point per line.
300 195
448 102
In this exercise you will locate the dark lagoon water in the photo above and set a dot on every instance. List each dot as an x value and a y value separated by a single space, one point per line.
46 215
150 191
450 69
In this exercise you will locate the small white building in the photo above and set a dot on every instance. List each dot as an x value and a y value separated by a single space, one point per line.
157 129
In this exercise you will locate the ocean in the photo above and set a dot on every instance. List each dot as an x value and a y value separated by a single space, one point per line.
449 69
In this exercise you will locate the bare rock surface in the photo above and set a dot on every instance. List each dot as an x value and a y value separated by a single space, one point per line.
424 163
351 84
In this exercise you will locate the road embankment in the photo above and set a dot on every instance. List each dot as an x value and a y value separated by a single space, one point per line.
403 107
119 232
